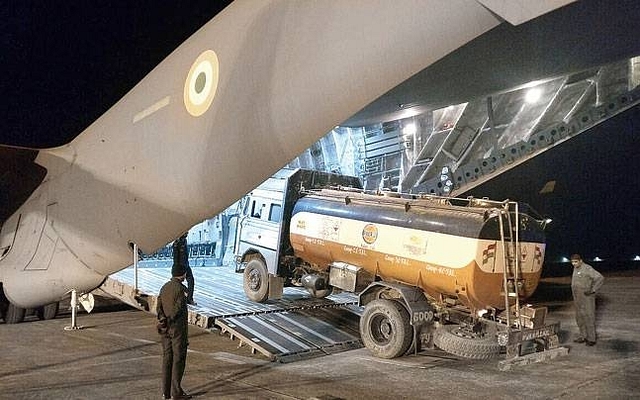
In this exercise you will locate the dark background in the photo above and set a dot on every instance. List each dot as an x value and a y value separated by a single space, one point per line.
595 206
65 63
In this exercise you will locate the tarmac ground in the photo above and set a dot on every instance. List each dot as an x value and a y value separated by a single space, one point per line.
117 355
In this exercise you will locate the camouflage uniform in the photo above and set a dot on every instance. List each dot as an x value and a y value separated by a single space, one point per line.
172 303
585 282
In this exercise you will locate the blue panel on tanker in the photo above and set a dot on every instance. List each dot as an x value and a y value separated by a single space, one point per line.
437 220
452 221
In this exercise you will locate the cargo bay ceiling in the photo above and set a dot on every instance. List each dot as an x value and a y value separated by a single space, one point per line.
498 101
450 150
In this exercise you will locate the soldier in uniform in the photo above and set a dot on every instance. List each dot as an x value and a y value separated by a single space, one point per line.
585 283
181 256
172 306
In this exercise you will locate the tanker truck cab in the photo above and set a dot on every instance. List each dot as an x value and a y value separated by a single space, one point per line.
263 251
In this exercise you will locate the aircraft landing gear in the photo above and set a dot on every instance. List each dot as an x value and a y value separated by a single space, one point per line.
49 311
9 312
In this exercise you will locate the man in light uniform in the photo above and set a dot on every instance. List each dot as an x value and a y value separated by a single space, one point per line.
585 283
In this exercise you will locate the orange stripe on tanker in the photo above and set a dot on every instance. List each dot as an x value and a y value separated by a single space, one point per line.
439 263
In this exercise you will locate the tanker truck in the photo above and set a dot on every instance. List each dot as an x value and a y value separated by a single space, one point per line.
428 270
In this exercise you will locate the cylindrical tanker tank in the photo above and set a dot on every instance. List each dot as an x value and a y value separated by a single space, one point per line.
455 253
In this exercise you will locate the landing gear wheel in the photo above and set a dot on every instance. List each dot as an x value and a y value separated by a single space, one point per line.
453 339
3 307
256 280
385 328
48 312
14 315
320 294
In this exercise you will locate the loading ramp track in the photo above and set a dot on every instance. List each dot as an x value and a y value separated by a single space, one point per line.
294 327
286 336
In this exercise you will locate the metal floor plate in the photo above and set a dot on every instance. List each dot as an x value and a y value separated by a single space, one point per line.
290 335
293 327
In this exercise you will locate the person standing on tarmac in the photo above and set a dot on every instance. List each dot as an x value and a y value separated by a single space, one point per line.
181 256
172 307
585 283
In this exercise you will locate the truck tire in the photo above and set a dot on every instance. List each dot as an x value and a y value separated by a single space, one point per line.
14 315
256 280
385 329
450 340
48 311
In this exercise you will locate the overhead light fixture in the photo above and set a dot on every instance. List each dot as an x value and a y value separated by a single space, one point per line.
409 129
533 95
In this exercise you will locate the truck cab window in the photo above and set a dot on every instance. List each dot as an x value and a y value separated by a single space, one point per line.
275 213
258 209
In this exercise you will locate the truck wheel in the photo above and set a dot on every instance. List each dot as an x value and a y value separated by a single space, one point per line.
14 315
256 280
385 328
48 311
451 339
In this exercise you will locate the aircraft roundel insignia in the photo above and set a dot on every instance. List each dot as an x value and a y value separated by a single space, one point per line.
202 83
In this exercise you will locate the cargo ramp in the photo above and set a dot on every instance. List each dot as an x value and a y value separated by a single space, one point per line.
296 326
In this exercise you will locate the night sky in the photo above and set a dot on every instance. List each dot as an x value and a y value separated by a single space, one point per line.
64 64
596 202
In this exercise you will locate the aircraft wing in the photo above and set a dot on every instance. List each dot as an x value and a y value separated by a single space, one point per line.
244 95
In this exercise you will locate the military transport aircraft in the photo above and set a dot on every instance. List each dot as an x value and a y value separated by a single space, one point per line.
245 94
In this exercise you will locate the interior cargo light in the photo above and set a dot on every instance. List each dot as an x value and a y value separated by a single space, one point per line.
409 129
533 95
